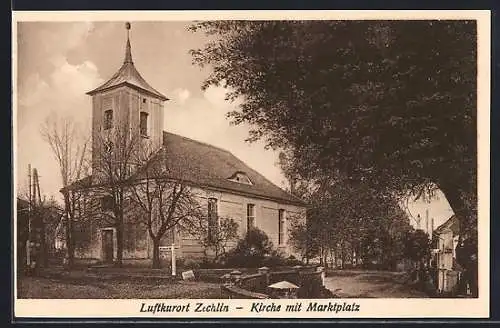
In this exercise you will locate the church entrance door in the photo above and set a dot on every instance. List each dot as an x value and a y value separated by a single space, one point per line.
107 245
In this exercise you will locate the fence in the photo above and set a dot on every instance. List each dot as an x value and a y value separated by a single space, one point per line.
310 281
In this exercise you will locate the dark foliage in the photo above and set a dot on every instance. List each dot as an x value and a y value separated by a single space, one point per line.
390 103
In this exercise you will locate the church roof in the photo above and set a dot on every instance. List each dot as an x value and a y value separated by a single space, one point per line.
209 167
212 167
128 75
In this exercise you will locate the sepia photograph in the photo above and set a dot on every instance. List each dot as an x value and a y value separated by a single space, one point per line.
329 160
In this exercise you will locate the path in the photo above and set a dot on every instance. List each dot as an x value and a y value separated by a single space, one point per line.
370 284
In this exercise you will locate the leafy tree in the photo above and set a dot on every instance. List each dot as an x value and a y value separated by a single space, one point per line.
219 238
390 103
351 222
417 246
303 241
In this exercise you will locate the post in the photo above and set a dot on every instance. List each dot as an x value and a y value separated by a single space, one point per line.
265 272
28 252
28 241
322 270
174 269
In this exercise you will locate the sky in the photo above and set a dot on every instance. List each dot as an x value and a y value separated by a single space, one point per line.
57 63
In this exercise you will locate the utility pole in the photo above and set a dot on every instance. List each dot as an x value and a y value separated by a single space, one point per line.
427 221
28 240
40 229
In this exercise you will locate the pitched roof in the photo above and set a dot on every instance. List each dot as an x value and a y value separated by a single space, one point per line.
128 75
22 204
452 224
212 167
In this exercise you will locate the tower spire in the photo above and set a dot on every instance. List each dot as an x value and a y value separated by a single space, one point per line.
128 50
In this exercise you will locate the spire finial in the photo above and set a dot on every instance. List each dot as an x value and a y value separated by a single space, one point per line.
128 51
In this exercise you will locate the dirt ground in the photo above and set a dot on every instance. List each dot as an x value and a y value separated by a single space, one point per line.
86 285
370 284
149 284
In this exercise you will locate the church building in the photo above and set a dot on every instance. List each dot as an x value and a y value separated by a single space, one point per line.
225 185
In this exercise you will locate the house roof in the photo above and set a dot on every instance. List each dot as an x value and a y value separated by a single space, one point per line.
451 224
22 204
128 75
50 209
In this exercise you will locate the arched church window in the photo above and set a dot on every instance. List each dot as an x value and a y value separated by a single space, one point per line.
108 119
144 124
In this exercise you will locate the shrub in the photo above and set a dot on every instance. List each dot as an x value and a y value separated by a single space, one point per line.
208 263
217 240
292 261
256 250
191 264
251 250
273 261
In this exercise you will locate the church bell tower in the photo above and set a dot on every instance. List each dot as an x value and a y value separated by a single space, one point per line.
126 106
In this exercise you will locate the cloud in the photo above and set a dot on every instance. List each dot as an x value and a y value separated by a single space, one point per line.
59 41
33 90
216 96
61 92
181 95
204 118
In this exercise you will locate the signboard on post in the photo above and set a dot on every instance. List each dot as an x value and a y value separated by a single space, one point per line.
174 269
172 257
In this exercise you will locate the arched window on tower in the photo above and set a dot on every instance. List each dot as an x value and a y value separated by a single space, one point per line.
144 124
108 119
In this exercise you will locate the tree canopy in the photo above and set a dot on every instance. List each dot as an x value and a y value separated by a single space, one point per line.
390 103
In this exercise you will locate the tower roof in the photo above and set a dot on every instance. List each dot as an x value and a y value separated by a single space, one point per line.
128 75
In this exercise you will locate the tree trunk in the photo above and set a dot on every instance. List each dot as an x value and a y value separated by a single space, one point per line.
119 241
43 245
342 256
359 253
70 249
353 252
156 253
325 258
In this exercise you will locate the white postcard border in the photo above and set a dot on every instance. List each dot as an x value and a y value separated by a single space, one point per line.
368 308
